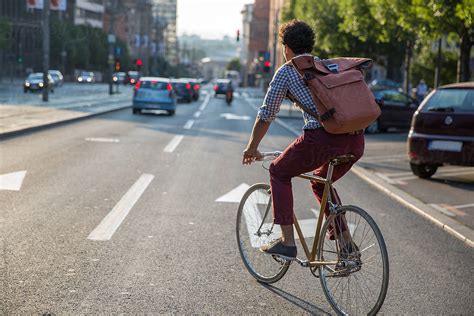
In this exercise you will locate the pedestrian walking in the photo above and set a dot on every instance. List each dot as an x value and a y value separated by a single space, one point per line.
421 90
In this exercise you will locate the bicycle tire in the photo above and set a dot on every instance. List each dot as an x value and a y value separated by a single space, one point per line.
363 268
265 268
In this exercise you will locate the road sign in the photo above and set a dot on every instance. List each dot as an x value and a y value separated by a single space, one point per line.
111 38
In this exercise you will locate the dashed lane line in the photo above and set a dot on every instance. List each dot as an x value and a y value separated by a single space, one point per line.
112 221
188 124
173 144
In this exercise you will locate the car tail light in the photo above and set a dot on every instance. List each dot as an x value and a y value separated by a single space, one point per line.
169 87
412 155
215 88
188 86
137 86
196 87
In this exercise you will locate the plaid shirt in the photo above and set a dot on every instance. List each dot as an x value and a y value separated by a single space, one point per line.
287 79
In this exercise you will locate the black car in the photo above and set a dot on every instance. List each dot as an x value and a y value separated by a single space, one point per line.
195 86
183 90
222 86
34 82
397 110
131 77
442 130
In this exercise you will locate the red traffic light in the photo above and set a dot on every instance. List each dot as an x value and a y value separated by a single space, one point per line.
267 63
138 62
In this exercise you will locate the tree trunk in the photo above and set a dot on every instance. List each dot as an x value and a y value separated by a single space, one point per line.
406 74
464 69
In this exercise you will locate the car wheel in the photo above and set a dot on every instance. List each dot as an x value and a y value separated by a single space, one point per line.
423 171
136 111
373 128
171 112
25 90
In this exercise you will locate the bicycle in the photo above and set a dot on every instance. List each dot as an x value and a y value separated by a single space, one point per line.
365 268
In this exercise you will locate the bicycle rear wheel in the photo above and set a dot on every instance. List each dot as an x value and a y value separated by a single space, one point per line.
358 283
254 229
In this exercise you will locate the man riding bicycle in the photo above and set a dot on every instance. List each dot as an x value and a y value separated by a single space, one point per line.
309 152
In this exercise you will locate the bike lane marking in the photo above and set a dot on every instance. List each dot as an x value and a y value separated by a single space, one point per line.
12 181
115 217
188 124
173 143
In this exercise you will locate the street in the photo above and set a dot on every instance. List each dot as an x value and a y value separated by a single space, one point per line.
118 214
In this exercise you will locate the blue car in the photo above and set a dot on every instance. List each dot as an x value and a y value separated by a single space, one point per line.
154 93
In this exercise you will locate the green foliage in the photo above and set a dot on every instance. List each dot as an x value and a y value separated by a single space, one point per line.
5 33
234 64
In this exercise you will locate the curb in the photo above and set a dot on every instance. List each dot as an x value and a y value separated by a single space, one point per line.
11 134
452 227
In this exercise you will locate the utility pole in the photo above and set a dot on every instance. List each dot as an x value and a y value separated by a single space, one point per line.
45 49
275 40
438 65
111 42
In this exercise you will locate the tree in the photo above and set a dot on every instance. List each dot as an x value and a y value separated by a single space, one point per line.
234 64
5 33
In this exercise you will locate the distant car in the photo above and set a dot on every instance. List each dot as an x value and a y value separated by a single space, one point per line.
57 77
118 77
154 93
442 130
222 86
86 77
385 84
195 86
397 110
183 90
131 77
34 82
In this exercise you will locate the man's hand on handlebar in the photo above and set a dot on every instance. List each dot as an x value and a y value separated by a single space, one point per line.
250 155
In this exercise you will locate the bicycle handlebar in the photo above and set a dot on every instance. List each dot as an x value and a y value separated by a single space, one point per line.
270 155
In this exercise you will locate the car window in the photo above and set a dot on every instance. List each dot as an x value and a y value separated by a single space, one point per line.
35 76
457 100
154 85
395 96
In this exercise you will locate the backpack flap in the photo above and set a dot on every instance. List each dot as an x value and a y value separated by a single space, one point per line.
303 62
343 64
341 78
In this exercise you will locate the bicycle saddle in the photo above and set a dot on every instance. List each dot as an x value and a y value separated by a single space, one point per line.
342 159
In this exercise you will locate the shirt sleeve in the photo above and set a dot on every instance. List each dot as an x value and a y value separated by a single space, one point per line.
276 93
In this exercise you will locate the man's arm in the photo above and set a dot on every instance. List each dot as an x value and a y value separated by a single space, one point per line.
259 130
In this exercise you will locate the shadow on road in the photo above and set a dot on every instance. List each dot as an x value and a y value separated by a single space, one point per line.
308 307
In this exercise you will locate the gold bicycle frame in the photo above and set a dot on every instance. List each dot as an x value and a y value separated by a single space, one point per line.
324 202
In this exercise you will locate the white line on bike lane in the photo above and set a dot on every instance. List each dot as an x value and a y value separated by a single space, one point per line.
173 144
112 221
188 124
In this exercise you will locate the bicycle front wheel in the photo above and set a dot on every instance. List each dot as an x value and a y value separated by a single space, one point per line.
254 229
358 283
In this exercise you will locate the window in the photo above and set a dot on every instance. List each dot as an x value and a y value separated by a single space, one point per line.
459 100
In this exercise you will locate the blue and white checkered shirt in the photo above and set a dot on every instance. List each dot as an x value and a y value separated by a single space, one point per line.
287 79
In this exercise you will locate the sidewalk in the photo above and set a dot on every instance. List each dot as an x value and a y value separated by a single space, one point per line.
32 113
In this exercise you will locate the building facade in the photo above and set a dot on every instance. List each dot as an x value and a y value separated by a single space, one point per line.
245 59
164 16
87 12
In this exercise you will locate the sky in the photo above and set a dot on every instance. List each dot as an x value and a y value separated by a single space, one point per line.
210 18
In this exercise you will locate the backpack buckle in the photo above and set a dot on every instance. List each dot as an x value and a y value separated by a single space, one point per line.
334 68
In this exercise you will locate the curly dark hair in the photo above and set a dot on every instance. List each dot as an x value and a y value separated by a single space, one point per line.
298 36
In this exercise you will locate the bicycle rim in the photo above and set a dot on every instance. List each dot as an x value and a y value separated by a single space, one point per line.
354 286
255 229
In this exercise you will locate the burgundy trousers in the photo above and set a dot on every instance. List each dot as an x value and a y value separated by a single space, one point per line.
309 152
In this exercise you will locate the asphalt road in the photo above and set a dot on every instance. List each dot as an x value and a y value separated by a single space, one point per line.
175 251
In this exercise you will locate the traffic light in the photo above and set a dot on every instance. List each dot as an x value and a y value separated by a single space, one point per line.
117 65
238 35
138 62
19 60
266 66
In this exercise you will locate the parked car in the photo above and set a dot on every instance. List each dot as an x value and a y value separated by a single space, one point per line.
154 93
442 130
183 90
195 86
57 77
397 110
118 77
86 77
385 84
34 82
222 85
131 77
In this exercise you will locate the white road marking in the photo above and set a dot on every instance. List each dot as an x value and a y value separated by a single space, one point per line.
102 140
112 221
197 114
235 195
231 116
383 158
205 102
188 124
464 205
173 143
440 174
442 210
389 180
245 94
12 181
